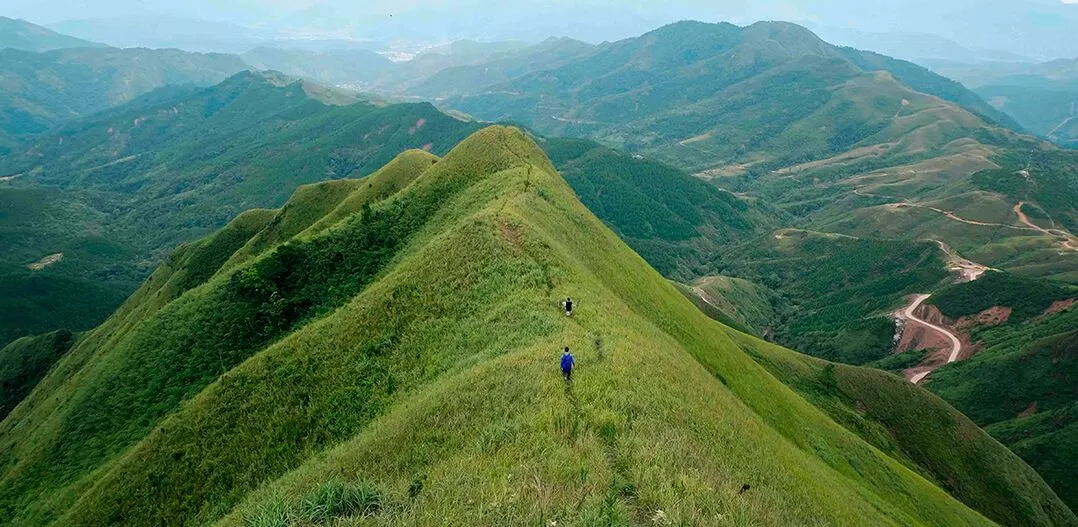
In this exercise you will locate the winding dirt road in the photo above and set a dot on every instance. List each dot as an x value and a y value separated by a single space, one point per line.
956 344
1068 241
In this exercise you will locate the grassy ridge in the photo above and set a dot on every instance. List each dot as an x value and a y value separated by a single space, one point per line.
425 376
184 344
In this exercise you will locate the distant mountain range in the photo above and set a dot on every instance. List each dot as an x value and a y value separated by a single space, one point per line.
172 165
20 34
915 47
1043 97
44 89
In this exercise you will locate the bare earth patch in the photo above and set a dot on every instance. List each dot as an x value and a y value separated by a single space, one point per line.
1060 305
45 262
992 316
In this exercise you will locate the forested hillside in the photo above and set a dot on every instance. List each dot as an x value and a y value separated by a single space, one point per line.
41 90
113 194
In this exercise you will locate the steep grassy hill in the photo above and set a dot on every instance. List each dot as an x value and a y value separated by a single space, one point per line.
40 90
115 192
398 366
20 34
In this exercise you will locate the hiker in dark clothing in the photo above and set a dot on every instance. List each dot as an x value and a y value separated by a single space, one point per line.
567 365
568 305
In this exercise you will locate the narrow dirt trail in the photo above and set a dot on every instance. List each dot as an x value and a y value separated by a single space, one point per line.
952 216
1068 242
946 213
956 343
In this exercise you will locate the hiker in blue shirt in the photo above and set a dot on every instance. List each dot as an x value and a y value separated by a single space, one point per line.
567 365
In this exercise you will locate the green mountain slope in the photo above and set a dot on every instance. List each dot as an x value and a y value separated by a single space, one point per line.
1039 96
1042 107
399 365
115 192
676 222
25 362
20 34
1020 385
40 90
707 95
905 422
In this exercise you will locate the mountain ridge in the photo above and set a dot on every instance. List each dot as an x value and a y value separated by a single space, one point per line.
19 34
468 260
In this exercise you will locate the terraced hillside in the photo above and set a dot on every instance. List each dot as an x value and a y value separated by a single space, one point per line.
394 362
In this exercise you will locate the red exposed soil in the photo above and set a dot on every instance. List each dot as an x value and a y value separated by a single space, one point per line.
919 337
1029 411
1060 305
993 316
926 328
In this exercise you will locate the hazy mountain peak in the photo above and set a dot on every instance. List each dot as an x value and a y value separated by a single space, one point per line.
20 34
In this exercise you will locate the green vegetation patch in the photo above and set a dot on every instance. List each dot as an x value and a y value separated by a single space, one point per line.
1027 297
25 362
835 292
1021 389
332 501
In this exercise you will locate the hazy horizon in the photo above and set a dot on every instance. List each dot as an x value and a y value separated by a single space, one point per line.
990 29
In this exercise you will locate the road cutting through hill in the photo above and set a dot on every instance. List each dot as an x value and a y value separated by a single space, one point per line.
956 343
1068 242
